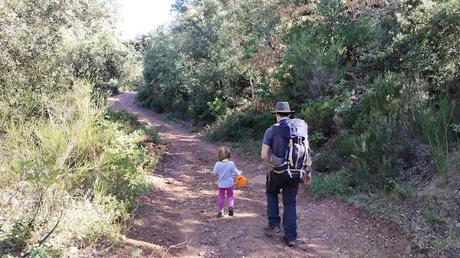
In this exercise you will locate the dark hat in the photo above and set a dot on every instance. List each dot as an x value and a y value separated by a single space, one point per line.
282 107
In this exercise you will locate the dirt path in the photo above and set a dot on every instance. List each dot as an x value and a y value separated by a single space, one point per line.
181 208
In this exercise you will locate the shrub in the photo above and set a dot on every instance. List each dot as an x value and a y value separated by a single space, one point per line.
437 133
383 97
372 153
318 114
316 139
217 108
236 126
324 186
326 161
72 178
398 191
428 43
311 67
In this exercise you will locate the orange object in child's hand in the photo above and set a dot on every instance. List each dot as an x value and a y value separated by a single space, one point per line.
241 181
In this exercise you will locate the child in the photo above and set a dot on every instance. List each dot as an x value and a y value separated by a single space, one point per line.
226 170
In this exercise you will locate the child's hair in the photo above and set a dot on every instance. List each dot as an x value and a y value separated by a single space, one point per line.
223 152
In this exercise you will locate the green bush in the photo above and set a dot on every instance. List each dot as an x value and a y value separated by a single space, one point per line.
325 186
311 67
316 139
428 44
437 132
81 168
383 97
326 161
396 190
372 153
319 113
375 138
217 108
236 126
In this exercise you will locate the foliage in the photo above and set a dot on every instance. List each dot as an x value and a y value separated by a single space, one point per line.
367 77
47 44
429 44
69 174
372 152
236 126
326 186
199 59
319 113
311 66
78 169
326 161
437 133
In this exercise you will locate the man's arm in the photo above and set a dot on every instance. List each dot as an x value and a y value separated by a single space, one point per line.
264 153
265 150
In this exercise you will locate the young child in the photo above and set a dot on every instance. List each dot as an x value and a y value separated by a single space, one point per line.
226 170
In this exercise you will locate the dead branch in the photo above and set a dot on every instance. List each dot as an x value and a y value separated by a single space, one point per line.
53 229
177 246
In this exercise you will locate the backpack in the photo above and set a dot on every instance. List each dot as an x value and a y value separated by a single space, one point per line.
293 133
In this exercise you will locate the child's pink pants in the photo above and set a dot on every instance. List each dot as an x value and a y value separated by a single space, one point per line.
221 198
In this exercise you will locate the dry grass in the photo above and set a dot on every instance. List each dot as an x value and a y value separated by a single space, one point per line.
69 180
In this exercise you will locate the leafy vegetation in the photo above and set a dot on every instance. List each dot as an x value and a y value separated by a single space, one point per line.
376 81
80 169
70 170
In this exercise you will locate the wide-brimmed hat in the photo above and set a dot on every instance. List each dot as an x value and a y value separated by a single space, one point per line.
282 107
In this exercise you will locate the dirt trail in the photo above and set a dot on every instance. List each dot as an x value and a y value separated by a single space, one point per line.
181 208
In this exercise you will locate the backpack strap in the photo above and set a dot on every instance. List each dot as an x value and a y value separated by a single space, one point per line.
306 153
291 161
299 145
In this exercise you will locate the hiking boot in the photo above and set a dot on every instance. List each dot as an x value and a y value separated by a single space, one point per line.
230 211
269 231
289 243
220 214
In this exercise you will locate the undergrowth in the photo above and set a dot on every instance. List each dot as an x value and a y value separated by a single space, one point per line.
70 179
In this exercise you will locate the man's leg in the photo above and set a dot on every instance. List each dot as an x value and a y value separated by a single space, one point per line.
290 212
271 191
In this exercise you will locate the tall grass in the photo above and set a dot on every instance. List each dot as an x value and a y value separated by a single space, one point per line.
435 126
69 179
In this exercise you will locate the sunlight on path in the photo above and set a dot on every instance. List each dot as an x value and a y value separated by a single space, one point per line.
181 209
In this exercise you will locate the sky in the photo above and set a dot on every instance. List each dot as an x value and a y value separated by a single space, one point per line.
142 16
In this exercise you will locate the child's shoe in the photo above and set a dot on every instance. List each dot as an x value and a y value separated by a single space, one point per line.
230 211
220 214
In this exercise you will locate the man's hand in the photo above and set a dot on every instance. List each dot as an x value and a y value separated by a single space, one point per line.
307 177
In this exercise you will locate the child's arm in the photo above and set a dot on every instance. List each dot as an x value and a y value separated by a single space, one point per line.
236 172
214 171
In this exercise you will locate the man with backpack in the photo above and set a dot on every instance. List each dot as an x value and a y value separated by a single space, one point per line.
285 147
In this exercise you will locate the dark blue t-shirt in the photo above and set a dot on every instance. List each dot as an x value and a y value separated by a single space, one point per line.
278 144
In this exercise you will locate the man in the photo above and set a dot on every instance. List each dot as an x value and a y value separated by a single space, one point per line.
286 181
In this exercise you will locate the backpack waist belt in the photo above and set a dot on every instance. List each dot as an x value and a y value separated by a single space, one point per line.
301 172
